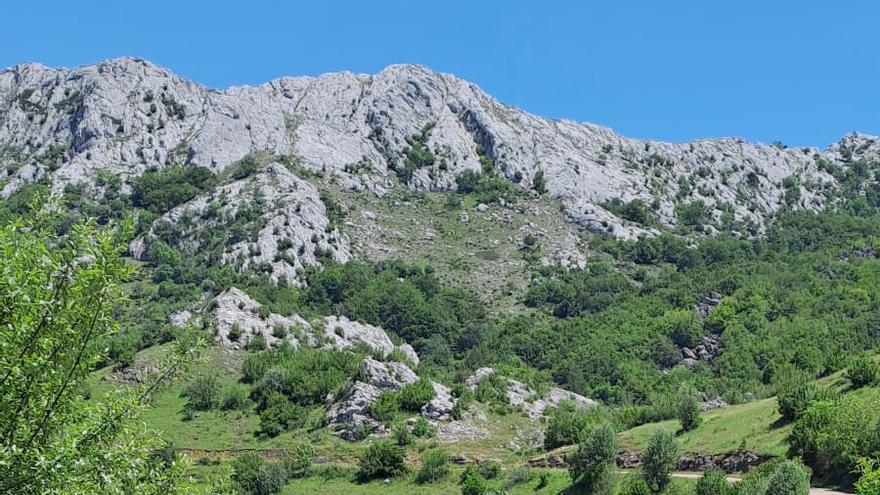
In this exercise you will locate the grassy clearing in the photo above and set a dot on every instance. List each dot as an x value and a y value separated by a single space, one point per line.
755 426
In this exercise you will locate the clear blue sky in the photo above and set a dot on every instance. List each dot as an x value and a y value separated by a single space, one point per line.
804 72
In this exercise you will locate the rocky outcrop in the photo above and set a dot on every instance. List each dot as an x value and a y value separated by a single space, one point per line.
708 304
737 462
705 350
272 222
440 407
125 115
521 396
342 333
237 321
348 415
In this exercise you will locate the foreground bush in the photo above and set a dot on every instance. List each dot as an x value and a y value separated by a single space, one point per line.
382 459
713 482
594 457
471 482
789 478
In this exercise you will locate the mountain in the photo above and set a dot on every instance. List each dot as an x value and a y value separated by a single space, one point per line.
127 115
397 267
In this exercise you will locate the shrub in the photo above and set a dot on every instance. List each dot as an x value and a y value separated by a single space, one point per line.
435 467
789 478
257 342
567 423
416 395
160 190
793 395
869 477
713 482
382 459
402 435
471 482
538 182
634 485
422 428
235 397
384 408
299 461
305 376
279 414
489 469
688 409
593 458
254 477
660 459
862 371
234 333
203 392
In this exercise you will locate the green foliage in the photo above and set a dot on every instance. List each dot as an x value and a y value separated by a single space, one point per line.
416 395
304 376
578 292
418 155
385 407
489 469
471 482
594 457
794 394
254 476
382 459
568 423
688 408
422 428
203 392
634 211
869 477
833 434
56 299
278 414
435 467
789 478
402 435
160 190
862 371
299 461
713 482
486 188
235 398
659 459
693 214
538 183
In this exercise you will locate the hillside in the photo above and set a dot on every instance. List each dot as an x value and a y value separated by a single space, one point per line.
398 261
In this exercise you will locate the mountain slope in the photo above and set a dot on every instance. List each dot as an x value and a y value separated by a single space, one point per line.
127 115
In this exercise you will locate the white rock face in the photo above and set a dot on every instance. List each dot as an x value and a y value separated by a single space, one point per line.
290 229
125 115
388 376
521 396
235 308
440 407
344 333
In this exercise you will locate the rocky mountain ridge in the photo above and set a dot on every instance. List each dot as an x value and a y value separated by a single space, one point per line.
405 123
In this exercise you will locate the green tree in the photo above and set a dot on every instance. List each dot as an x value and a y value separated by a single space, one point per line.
793 395
382 459
789 478
471 482
56 302
713 482
659 459
862 371
594 457
688 408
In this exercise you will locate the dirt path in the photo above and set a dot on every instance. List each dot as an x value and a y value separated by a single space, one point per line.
734 479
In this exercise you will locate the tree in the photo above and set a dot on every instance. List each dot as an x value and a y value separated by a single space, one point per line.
660 459
56 302
713 482
382 459
793 395
471 482
538 183
789 478
594 456
688 408
862 371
